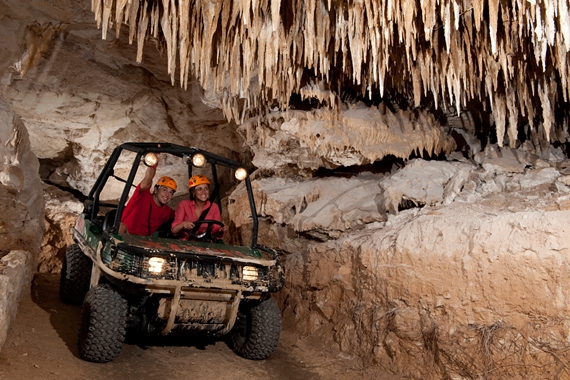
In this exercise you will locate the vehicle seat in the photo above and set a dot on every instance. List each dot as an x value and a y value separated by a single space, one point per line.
164 230
109 219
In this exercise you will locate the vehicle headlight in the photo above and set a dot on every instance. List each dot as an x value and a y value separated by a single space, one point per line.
156 265
198 160
150 159
241 174
250 273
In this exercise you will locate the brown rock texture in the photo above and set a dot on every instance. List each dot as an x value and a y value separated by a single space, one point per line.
449 269
474 284
446 294
16 271
21 201
21 214
355 135
62 210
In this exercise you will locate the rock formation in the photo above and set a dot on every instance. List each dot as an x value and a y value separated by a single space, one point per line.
21 214
61 212
440 270
512 56
355 136
412 238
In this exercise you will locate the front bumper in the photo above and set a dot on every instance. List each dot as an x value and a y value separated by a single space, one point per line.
197 292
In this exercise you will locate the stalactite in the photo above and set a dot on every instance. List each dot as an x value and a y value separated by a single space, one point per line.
96 9
512 113
500 121
142 29
119 15
547 114
132 20
106 16
260 51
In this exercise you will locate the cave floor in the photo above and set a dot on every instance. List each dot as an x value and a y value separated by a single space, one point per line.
42 344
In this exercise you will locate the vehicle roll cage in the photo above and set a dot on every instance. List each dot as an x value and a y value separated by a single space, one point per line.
183 152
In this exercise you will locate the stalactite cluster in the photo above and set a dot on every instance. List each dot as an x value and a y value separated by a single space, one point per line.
511 55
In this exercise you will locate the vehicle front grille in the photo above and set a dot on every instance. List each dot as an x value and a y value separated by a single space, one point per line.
127 263
185 269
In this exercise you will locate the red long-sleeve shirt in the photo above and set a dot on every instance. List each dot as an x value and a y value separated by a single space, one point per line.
141 214
186 211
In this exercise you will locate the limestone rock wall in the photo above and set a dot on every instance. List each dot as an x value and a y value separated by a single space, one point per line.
443 293
61 213
16 270
21 214
470 283
21 205
89 96
103 108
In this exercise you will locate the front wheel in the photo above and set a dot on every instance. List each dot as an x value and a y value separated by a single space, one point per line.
257 329
75 275
103 324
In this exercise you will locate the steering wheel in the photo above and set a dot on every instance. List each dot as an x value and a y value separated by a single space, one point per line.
206 235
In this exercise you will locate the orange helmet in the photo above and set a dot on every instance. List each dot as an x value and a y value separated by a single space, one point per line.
167 182
196 180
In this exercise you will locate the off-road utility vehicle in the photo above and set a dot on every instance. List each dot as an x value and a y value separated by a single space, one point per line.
164 286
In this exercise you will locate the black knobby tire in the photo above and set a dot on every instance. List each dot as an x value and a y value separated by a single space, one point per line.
256 332
75 275
103 324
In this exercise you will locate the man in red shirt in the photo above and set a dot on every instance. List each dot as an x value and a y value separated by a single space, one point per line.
146 212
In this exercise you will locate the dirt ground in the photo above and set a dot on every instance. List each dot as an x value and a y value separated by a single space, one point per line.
42 344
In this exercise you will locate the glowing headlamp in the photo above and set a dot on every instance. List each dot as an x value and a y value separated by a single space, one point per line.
150 159
156 264
198 160
241 174
250 273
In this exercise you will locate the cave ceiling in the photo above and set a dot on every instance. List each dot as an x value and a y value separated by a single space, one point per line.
321 83
508 58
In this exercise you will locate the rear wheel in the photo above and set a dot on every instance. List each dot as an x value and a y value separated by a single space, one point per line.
103 324
75 275
257 329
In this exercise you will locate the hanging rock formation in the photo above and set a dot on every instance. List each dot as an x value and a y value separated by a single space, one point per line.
357 135
511 56
452 268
